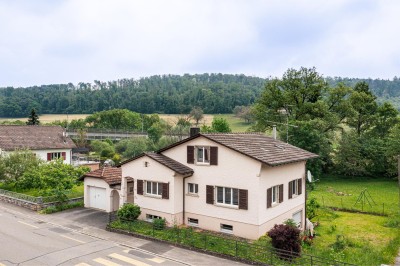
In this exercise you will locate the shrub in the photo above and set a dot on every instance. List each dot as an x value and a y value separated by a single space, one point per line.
129 212
287 238
290 222
159 224
312 207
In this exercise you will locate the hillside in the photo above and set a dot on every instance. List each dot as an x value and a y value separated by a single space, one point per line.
169 94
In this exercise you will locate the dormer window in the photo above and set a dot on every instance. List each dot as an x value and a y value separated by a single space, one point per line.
203 154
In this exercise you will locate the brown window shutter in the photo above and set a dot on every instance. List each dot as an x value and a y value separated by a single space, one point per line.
190 154
214 155
243 199
64 156
49 156
165 191
280 193
299 184
209 194
290 189
140 187
269 197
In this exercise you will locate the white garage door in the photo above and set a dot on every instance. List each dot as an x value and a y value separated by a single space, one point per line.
97 198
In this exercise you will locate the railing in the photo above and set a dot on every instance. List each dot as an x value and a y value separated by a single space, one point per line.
228 247
32 199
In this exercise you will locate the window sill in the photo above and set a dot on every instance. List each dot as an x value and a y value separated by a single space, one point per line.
226 231
295 196
192 195
153 196
235 207
202 164
273 205
193 225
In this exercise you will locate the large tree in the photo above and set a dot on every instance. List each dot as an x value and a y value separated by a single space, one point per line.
33 118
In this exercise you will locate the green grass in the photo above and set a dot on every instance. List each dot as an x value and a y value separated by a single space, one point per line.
76 191
235 123
343 193
363 239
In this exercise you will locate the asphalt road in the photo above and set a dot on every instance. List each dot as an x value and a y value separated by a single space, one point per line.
77 237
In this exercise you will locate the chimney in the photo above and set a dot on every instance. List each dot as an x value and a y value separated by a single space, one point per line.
274 131
194 131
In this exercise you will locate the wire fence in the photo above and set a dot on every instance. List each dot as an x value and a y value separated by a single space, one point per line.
29 198
240 249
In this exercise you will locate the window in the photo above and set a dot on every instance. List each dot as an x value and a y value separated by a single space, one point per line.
275 194
295 187
153 188
193 188
226 228
297 218
193 222
151 217
203 154
227 195
56 155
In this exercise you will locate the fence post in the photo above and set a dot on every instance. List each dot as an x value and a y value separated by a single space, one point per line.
236 248
205 242
311 260
153 229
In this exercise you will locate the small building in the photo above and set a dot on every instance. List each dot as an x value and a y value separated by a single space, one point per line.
46 142
102 189
240 184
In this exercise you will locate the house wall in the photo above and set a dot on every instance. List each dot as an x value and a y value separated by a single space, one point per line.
42 154
149 204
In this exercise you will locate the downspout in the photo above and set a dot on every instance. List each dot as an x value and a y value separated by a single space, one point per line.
183 200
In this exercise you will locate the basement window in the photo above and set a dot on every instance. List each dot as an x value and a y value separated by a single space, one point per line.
226 228
151 217
193 222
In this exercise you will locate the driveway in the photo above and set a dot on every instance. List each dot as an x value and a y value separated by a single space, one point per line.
82 223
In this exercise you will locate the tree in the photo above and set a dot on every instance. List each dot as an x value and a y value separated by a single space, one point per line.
197 114
132 147
386 118
15 164
219 124
155 132
33 119
115 119
103 148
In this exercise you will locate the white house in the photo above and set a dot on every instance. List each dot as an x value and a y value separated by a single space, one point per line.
46 142
240 184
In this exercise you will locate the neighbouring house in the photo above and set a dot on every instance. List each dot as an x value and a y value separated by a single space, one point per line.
46 142
102 189
240 184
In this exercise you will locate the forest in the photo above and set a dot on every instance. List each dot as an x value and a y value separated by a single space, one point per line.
166 94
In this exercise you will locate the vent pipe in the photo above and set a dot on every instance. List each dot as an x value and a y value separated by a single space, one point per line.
274 131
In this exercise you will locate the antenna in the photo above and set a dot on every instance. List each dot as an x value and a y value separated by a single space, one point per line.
310 177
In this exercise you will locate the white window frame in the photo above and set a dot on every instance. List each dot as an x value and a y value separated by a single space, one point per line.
295 188
193 188
193 222
301 218
150 217
275 195
205 153
56 156
228 196
153 188
226 228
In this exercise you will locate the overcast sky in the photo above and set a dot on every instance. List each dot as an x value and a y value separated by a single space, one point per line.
55 41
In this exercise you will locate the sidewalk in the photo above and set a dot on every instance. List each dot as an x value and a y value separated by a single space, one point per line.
92 222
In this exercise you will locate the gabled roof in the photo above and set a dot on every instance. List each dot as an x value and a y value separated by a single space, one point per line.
112 175
33 138
164 160
255 145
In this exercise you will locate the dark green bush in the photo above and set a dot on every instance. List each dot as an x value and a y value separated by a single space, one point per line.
129 212
287 238
159 224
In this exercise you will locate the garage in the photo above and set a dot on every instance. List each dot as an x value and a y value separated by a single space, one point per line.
97 198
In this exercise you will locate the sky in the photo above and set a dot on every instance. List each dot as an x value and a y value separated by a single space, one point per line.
56 42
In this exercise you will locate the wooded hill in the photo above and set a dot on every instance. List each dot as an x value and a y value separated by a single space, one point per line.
169 94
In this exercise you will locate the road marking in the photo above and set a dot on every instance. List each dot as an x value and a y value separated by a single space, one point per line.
72 239
128 260
1 264
28 224
157 260
106 262
82 264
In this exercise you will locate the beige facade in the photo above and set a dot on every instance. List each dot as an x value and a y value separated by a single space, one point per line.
233 171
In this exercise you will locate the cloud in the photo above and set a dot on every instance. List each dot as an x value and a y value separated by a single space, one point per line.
71 41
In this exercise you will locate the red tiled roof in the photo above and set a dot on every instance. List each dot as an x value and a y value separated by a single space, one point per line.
112 175
33 138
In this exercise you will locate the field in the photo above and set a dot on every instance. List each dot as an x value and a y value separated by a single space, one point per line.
50 118
358 238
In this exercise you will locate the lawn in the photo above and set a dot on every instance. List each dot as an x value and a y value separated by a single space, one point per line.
343 193
235 123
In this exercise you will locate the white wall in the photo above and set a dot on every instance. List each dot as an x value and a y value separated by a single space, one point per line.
42 154
97 182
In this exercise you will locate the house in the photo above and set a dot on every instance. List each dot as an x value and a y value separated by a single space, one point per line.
102 189
239 184
46 142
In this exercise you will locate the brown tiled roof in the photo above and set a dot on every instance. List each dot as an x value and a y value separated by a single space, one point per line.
170 163
262 148
112 175
33 138
257 146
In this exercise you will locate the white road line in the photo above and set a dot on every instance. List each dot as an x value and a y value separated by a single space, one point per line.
128 260
105 262
28 224
73 239
82 264
157 260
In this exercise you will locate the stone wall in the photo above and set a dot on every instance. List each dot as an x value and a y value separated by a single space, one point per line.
33 205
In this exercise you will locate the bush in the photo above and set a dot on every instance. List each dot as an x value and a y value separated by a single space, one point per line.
312 207
129 212
287 238
159 224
